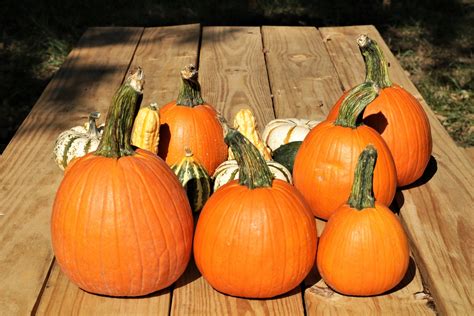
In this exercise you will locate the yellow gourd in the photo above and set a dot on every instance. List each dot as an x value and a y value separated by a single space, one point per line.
244 122
145 134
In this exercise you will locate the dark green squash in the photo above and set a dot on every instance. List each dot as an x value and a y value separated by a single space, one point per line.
285 154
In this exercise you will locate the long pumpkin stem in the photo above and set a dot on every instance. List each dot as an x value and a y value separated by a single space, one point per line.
355 102
116 140
376 67
361 195
92 128
190 91
253 170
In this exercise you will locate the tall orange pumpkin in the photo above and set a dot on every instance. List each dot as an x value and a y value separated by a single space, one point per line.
396 115
255 237
189 122
324 165
121 224
363 249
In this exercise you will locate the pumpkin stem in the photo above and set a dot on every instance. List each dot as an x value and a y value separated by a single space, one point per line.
355 102
376 67
116 139
361 195
92 128
253 170
190 91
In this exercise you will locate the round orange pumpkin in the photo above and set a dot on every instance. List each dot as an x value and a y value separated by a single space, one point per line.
363 249
324 165
396 115
121 224
191 123
255 237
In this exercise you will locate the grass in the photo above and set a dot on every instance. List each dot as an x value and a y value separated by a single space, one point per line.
432 39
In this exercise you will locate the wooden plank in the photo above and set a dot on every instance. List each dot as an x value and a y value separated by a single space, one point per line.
86 82
161 53
470 153
437 214
281 45
64 298
233 75
303 80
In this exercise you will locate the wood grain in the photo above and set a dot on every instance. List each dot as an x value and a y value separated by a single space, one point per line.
61 297
161 52
233 75
438 213
303 80
281 45
86 82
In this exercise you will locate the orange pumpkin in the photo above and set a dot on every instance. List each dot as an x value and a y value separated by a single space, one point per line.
324 165
363 249
396 115
121 223
191 123
255 237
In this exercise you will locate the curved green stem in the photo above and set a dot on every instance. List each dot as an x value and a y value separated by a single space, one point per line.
376 67
190 91
253 170
355 102
116 139
361 195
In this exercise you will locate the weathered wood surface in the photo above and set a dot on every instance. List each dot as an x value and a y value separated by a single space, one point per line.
438 213
233 75
162 52
305 70
61 297
313 72
29 176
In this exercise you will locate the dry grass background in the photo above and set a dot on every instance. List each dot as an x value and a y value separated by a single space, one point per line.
434 41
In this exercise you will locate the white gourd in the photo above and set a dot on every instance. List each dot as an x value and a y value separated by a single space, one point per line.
283 131
77 141
229 170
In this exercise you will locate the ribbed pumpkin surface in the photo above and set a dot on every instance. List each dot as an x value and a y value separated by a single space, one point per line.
363 252
403 124
325 163
255 243
121 227
196 128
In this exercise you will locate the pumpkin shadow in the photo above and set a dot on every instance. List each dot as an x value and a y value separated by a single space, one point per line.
377 121
164 143
429 172
397 202
164 291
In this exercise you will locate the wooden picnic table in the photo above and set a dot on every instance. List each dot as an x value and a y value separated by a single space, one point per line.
277 72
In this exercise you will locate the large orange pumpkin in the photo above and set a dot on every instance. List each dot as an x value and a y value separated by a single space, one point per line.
363 249
396 115
255 237
324 165
191 123
121 224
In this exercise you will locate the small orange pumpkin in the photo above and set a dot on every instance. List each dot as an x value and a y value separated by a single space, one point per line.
255 237
396 115
121 223
324 165
363 249
191 123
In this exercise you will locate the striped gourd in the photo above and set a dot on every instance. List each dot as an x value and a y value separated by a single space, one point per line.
229 170
146 128
244 122
77 141
194 179
283 131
